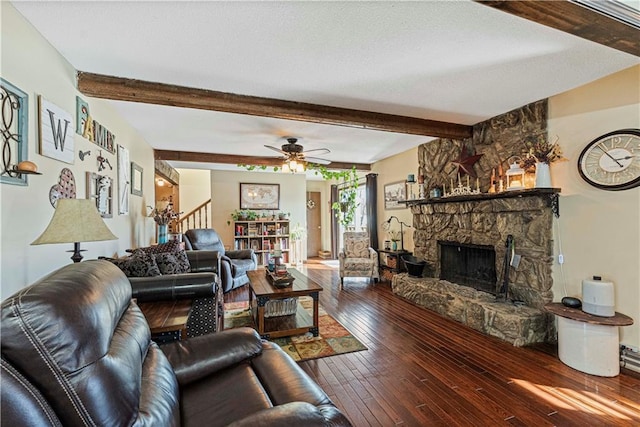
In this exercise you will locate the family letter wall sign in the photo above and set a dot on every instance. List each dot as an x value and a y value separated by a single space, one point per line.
56 131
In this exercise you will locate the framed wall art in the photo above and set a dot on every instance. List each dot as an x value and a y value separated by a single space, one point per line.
259 196
124 180
13 128
55 132
100 189
394 194
136 179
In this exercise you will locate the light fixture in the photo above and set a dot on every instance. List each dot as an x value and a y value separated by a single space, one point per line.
387 224
292 165
160 182
75 221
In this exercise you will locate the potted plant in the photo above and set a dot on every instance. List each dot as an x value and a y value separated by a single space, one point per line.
540 152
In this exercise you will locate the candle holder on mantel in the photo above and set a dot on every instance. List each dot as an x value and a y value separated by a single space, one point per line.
460 189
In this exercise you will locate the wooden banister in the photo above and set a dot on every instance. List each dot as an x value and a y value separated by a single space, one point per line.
197 218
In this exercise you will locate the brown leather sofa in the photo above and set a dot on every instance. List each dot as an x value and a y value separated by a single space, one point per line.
76 350
233 265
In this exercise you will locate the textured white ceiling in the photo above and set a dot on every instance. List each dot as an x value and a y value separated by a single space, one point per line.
455 61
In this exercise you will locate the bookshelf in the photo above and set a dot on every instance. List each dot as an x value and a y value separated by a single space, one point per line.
262 236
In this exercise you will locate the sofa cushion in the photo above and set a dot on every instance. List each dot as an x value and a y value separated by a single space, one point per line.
173 262
227 406
356 245
170 246
138 264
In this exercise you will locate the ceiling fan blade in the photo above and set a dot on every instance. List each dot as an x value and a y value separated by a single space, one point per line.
277 149
317 160
317 151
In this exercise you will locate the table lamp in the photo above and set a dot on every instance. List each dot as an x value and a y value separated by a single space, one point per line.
75 221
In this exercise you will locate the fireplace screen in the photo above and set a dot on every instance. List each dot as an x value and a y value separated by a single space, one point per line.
468 265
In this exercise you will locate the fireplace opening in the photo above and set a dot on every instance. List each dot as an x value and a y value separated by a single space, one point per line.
468 265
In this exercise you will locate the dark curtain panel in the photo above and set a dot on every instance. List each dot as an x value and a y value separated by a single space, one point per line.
372 208
334 223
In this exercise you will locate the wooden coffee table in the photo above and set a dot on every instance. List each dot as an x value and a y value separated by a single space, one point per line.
261 291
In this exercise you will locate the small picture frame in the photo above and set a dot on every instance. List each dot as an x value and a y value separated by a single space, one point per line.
395 194
259 196
136 179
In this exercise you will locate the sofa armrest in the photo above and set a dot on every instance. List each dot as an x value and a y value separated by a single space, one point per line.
202 261
173 286
240 254
294 414
201 356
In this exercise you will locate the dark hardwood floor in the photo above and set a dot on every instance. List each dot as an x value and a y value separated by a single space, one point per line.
421 369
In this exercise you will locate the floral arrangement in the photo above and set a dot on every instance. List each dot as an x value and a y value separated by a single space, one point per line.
539 149
164 216
394 236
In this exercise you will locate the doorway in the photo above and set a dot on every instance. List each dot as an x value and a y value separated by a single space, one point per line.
314 224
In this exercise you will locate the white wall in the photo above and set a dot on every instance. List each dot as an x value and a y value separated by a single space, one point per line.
599 230
225 197
195 189
29 62
394 169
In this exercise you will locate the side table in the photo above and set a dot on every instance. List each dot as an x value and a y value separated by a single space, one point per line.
589 343
390 263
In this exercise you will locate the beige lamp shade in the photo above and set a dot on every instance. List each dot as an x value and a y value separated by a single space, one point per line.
75 221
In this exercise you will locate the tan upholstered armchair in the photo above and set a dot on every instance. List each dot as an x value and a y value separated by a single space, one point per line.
357 258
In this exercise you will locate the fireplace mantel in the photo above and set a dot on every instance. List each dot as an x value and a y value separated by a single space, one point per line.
550 194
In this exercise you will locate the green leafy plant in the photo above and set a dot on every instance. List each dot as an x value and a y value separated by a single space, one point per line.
345 209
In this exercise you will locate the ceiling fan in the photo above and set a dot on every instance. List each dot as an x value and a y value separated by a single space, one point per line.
294 152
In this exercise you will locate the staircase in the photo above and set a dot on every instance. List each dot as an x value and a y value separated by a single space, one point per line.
197 218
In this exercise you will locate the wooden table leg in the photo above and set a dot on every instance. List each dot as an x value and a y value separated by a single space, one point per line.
262 301
316 327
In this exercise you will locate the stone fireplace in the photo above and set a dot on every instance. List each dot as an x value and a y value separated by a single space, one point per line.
483 221
475 230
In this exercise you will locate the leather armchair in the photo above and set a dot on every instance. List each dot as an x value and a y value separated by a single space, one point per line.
76 350
358 258
233 264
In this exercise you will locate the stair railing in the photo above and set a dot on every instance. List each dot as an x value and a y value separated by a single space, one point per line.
197 218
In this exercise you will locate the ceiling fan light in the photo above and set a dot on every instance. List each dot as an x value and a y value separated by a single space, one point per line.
293 165
285 168
300 167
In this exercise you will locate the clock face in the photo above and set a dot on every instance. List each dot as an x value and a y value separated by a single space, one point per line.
612 161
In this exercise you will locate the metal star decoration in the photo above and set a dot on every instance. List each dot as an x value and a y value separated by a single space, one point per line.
465 162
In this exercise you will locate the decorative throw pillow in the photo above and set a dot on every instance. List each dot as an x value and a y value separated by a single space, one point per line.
173 262
170 246
139 264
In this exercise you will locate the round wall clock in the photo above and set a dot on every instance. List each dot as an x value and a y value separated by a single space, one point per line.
612 161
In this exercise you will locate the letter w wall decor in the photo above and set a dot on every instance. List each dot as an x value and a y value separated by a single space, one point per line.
56 131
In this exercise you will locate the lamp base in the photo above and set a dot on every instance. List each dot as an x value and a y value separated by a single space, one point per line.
77 257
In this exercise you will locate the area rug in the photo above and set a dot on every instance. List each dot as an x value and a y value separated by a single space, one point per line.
333 338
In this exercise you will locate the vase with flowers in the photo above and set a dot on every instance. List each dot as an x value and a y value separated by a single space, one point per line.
540 153
163 214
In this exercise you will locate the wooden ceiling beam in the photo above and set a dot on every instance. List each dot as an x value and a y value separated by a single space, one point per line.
234 159
123 89
575 19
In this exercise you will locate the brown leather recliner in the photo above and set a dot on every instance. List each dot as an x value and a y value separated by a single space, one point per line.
76 350
233 265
